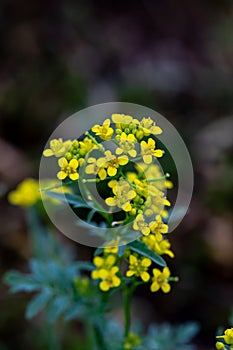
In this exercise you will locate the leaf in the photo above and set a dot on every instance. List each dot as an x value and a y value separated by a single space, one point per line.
38 303
121 250
98 251
19 282
90 215
57 307
83 265
74 199
76 311
142 249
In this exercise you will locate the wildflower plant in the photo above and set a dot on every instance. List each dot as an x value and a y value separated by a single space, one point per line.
119 158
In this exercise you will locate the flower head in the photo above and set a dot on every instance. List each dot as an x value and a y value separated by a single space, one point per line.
161 280
109 279
111 163
149 127
148 151
123 194
126 144
138 267
104 131
58 148
140 225
68 169
228 336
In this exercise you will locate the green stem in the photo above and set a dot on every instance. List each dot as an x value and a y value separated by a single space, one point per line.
127 296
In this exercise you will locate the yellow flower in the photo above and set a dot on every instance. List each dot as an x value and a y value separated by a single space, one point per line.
102 263
92 168
161 280
121 120
85 146
138 267
111 162
158 227
109 279
148 150
126 144
68 169
123 194
140 225
26 193
158 245
228 336
58 148
149 127
104 131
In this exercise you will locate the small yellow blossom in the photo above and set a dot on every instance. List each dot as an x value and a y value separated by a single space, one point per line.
126 144
104 131
123 194
148 150
121 120
102 263
149 127
158 227
109 279
111 162
68 169
58 148
26 193
161 280
158 245
140 225
138 267
93 168
228 336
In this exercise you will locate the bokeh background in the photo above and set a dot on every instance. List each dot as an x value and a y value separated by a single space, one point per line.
176 57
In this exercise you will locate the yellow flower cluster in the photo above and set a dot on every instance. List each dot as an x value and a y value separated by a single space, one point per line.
106 271
227 337
133 183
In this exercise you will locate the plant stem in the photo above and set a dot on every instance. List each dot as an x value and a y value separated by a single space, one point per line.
127 299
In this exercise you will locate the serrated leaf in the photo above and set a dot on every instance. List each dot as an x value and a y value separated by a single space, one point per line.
38 303
74 199
19 282
57 307
142 249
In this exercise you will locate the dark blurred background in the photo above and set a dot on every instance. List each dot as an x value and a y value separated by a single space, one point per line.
176 57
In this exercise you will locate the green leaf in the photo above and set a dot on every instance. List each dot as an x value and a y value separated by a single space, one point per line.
19 282
98 251
38 303
57 307
83 265
74 199
76 311
142 249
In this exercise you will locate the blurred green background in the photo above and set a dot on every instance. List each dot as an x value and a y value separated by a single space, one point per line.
176 57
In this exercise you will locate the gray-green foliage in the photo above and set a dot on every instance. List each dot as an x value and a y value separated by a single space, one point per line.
168 337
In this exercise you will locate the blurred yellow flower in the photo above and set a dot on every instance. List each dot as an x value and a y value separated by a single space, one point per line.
26 193
149 127
228 336
126 144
